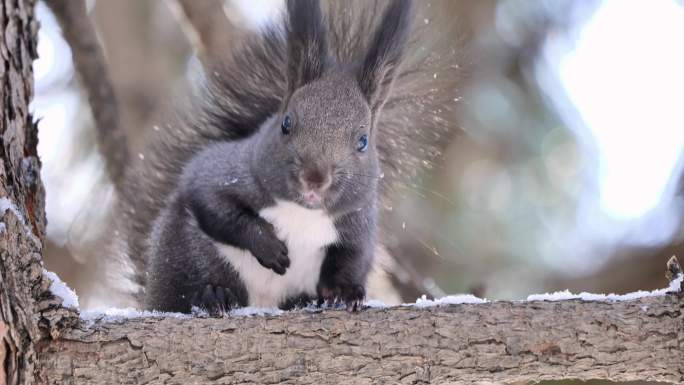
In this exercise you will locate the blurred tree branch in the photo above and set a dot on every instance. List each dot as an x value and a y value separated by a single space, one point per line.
214 34
91 66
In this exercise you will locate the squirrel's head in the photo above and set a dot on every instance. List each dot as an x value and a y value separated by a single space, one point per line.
322 142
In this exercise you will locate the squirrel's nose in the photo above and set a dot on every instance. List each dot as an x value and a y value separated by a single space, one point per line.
315 179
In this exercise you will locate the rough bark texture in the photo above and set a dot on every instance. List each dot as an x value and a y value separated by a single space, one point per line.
500 341
20 187
28 312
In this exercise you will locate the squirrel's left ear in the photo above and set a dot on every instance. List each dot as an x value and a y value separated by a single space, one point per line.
306 42
385 52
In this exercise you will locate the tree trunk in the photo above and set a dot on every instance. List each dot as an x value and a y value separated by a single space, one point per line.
28 312
41 342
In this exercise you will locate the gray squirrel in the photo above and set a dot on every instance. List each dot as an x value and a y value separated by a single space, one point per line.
269 190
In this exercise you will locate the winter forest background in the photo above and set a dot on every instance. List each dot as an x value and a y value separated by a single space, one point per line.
568 171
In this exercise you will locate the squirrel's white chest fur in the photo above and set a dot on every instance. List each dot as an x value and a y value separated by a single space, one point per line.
306 233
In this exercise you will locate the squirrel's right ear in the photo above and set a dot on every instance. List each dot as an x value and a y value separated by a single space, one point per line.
306 42
385 52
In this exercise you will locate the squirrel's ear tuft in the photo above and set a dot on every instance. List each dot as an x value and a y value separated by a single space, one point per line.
306 42
385 52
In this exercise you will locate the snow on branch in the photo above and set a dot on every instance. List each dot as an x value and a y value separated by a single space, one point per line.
458 339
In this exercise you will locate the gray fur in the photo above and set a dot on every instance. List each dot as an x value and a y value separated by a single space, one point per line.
177 203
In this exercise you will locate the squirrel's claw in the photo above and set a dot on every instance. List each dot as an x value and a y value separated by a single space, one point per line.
216 300
351 295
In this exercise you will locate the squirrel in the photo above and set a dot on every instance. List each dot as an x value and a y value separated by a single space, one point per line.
269 190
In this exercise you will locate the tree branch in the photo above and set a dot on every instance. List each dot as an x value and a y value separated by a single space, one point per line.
213 33
91 66
499 341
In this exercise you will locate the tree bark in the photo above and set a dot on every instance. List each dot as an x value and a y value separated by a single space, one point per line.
500 341
18 192
28 312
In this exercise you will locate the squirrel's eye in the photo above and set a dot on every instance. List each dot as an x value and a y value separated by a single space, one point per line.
286 126
362 144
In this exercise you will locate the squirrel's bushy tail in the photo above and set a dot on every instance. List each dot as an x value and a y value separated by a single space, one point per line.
240 93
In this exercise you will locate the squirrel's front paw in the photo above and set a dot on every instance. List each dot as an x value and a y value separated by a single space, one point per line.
271 253
215 299
350 294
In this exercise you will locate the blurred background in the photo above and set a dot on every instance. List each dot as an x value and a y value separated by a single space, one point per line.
567 173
